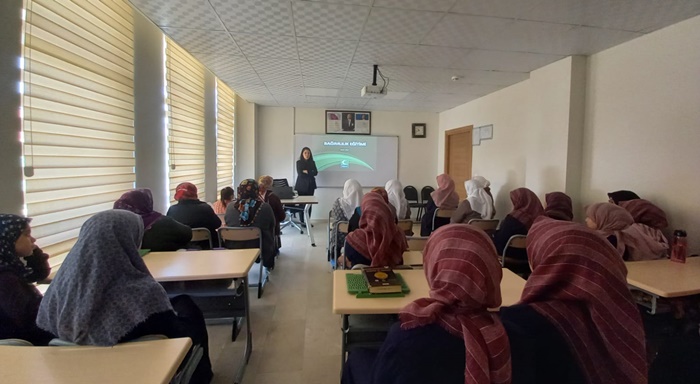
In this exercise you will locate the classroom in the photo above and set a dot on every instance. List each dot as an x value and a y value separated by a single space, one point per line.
621 117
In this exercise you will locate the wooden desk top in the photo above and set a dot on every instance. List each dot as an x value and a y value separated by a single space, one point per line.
664 277
200 265
137 362
301 200
413 258
345 303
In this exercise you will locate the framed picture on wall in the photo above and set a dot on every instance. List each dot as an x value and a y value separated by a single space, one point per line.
349 122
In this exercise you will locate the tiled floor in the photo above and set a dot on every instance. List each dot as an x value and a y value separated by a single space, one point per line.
296 338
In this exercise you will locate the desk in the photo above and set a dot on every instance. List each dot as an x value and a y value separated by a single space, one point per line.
664 278
137 362
346 304
413 258
308 201
208 265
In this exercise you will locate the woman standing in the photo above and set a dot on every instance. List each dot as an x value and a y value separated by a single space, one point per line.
306 176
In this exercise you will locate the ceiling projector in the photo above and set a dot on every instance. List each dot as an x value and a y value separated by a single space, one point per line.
373 91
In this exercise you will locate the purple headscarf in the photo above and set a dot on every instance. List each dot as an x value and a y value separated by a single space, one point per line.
139 201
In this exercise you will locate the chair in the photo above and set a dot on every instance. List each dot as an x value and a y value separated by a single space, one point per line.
441 213
201 234
488 226
289 209
411 194
406 226
519 266
339 227
16 342
241 234
425 198
416 243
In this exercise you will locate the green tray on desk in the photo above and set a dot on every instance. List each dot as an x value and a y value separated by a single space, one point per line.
144 252
358 286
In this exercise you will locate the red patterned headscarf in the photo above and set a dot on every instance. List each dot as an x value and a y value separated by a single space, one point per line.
445 196
378 238
526 206
464 276
644 212
558 206
578 283
186 191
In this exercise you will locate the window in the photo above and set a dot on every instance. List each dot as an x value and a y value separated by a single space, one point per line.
225 105
185 82
78 115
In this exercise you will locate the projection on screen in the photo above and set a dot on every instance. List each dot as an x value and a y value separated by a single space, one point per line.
371 160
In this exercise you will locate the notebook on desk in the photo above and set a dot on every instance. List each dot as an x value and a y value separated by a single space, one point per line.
283 192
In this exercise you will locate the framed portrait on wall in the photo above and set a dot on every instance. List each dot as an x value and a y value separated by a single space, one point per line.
349 122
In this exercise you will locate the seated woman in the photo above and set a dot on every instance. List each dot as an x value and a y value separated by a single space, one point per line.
622 195
484 184
479 200
161 233
397 199
104 294
444 197
20 298
264 185
378 241
343 209
430 343
632 242
225 197
576 321
464 213
248 210
526 208
559 206
194 213
354 222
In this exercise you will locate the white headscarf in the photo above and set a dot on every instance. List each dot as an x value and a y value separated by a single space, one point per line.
478 198
352 196
397 198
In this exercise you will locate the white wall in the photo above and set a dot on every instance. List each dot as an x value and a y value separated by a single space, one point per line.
245 137
530 120
277 125
642 129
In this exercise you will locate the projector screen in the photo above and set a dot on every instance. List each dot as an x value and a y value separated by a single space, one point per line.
371 160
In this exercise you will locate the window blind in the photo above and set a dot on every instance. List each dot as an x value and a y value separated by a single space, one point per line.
226 109
77 115
185 82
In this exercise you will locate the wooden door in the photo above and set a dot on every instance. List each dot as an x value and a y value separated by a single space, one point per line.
458 157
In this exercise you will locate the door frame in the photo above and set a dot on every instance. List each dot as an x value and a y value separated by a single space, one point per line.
456 131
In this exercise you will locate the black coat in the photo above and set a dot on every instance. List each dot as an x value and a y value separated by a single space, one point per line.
306 182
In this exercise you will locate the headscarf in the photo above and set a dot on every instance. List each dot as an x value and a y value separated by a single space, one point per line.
139 201
464 277
378 238
526 206
559 206
248 201
352 197
445 196
609 218
397 198
622 195
479 199
11 227
578 283
644 212
186 191
382 192
103 289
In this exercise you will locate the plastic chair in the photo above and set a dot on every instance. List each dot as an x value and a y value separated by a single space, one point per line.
339 227
241 234
411 194
406 226
488 226
416 243
425 198
201 234
16 342
519 266
441 213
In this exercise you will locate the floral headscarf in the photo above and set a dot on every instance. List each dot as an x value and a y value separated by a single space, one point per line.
248 201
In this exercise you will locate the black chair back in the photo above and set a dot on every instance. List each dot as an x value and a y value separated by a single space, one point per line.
425 193
411 193
280 183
